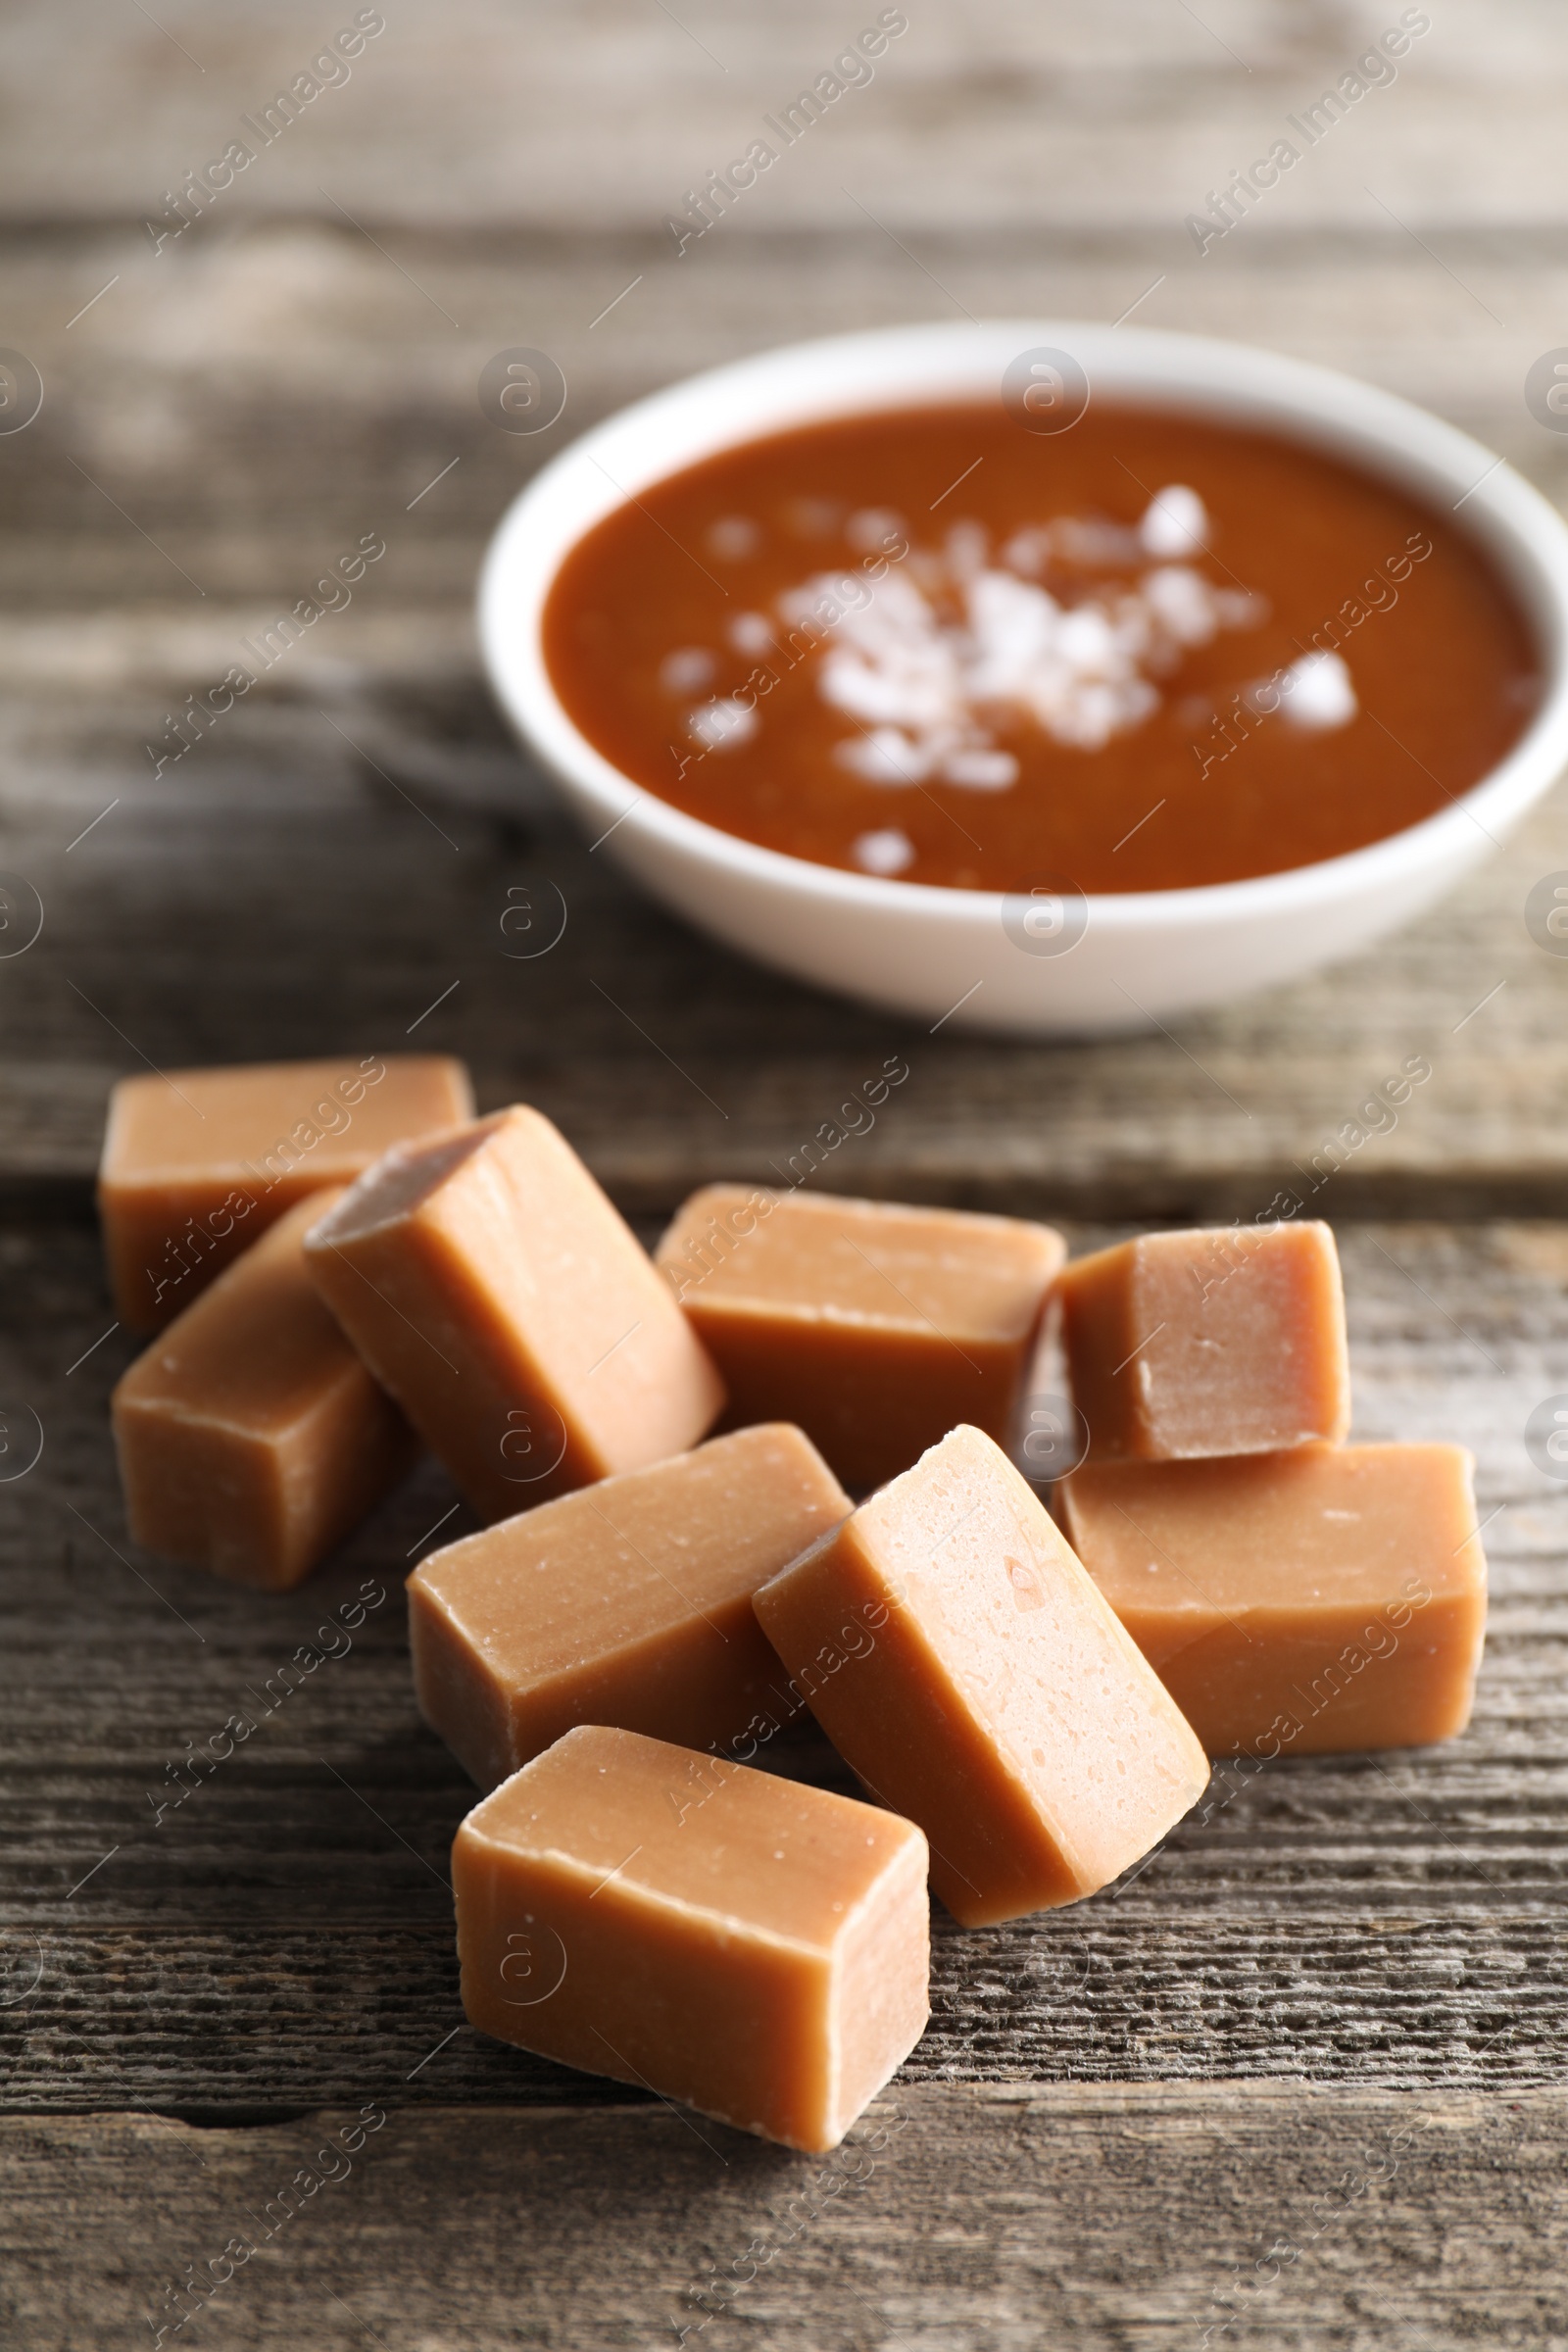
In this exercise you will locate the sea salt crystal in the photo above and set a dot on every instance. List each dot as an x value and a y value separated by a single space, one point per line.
1239 607
751 634
967 546
722 724
1084 641
884 853
1317 692
1027 549
884 756
1183 602
687 670
871 529
733 538
1175 523
980 771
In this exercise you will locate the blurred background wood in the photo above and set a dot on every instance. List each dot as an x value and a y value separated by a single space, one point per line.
222 416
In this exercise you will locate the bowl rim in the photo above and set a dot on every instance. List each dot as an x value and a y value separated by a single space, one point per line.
767 392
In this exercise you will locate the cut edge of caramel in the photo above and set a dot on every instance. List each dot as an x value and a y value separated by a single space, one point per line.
401 1182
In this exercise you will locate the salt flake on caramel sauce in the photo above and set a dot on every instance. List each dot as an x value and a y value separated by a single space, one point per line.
928 660
1155 653
923 661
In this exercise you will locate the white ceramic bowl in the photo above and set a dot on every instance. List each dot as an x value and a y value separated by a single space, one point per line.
923 951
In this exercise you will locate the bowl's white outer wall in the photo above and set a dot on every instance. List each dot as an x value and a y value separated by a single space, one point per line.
920 950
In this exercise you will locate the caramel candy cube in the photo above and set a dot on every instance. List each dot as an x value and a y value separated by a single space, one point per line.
1229 1339
626 1604
494 1291
1296 1603
251 1438
198 1163
876 1328
963 1661
759 1949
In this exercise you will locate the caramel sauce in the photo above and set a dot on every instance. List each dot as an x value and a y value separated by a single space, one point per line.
1145 654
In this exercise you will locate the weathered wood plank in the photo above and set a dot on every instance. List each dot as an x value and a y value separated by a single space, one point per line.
1160 2217
283 1934
246 400
1033 113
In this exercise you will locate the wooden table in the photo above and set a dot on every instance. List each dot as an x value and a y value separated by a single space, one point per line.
1299 2080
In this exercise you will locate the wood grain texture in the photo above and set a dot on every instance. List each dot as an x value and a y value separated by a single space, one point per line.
1177 2216
220 419
281 1935
476 113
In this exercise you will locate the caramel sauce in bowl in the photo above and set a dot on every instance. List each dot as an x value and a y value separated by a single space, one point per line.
1075 634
